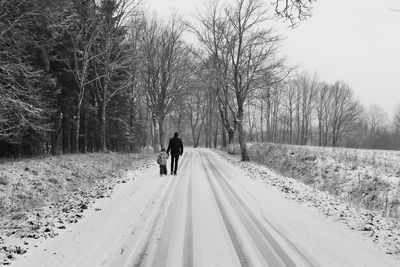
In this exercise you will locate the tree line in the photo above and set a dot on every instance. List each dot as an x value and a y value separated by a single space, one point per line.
65 77
306 111
84 76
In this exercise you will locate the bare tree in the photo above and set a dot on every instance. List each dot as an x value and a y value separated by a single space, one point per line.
396 127
377 122
376 117
135 31
293 10
166 68
245 56
396 118
83 30
306 86
210 33
289 104
322 103
252 52
114 56
345 110
195 109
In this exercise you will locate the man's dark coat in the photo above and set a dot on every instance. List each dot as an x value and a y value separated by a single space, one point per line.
175 146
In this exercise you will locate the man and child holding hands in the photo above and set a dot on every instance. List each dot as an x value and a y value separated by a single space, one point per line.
175 146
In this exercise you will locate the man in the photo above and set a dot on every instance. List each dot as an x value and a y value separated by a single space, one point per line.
176 147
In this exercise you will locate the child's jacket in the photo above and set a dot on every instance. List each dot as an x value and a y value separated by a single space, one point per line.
162 158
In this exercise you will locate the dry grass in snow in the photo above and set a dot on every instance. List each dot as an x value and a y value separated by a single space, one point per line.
368 178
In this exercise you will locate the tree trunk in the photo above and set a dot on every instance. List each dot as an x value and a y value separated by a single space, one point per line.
310 129
65 135
148 128
216 132
261 121
196 144
210 120
268 115
154 134
193 135
319 129
180 121
103 144
131 118
161 131
242 142
275 121
85 140
250 124
231 135
77 128
223 133
298 123
326 132
55 136
291 128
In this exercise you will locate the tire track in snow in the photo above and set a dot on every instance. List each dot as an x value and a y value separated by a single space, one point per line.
304 255
169 248
266 249
240 252
139 260
140 223
242 207
188 239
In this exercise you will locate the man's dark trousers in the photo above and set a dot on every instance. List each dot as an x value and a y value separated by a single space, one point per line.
174 163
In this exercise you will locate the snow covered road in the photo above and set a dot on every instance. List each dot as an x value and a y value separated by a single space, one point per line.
210 214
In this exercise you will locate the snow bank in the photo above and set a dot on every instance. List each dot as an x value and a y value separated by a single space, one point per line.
38 197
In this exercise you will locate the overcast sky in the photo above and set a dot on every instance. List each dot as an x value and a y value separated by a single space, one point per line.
356 41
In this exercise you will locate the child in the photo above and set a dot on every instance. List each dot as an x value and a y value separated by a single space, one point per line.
162 161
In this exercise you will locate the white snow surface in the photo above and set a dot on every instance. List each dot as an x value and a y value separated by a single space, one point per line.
215 212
